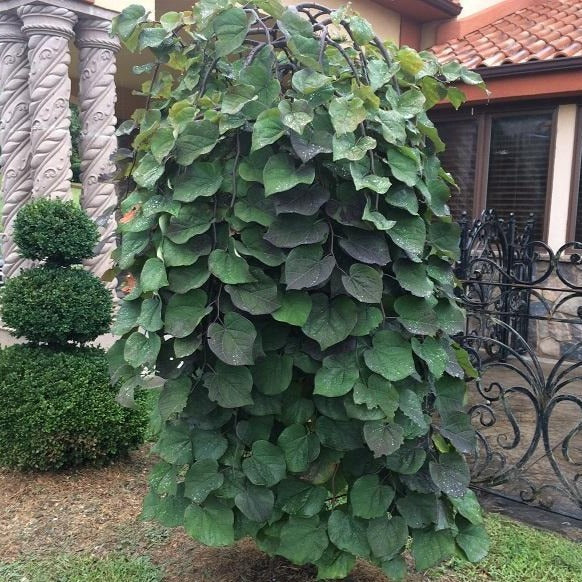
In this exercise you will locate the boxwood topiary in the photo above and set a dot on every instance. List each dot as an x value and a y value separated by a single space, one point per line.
58 403
54 231
56 305
58 409
290 251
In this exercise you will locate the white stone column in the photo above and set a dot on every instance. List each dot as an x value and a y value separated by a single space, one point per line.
97 98
561 180
49 30
14 133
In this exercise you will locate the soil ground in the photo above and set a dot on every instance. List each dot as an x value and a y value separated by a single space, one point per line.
96 512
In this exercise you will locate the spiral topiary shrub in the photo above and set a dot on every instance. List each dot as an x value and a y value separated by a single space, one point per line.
288 254
56 305
58 409
59 233
58 401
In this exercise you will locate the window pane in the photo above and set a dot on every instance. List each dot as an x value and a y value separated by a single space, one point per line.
459 159
518 167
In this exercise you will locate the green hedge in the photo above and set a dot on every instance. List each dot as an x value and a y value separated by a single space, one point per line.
56 232
59 409
56 305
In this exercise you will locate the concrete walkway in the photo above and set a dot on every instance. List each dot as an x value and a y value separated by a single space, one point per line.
105 341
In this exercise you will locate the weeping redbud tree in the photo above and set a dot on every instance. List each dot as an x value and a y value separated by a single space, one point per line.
288 254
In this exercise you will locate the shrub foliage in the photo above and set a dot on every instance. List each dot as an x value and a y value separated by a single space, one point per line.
53 231
288 252
57 232
56 305
58 402
58 409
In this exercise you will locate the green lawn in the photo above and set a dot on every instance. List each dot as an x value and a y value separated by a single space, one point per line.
518 554
65 568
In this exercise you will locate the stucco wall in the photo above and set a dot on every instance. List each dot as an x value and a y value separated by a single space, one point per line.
127 103
472 6
386 23
119 5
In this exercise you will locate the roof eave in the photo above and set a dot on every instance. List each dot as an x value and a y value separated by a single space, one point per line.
530 68
423 10
448 7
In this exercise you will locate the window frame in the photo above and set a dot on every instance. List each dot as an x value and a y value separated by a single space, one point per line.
485 116
459 117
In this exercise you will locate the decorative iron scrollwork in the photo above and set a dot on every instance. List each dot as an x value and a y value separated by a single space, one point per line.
526 408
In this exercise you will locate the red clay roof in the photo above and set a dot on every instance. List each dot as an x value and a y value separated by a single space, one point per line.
546 30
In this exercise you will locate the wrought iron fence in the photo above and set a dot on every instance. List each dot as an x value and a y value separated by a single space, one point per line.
524 334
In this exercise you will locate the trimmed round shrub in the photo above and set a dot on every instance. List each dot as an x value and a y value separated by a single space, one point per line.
55 231
56 305
59 410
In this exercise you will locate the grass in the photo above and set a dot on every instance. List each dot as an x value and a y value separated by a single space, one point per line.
66 568
519 553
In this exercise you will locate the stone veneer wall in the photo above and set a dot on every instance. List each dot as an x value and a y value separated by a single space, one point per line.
551 338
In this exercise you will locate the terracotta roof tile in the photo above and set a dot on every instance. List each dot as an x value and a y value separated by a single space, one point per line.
546 30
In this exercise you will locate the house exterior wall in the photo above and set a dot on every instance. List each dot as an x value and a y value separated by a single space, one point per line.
386 22
410 33
550 335
526 90
127 102
472 6
428 35
116 5
554 339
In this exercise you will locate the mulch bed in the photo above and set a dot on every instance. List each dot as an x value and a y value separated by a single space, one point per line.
71 511
95 511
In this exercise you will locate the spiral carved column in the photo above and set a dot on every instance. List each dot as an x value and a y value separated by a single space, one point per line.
49 30
97 98
14 133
